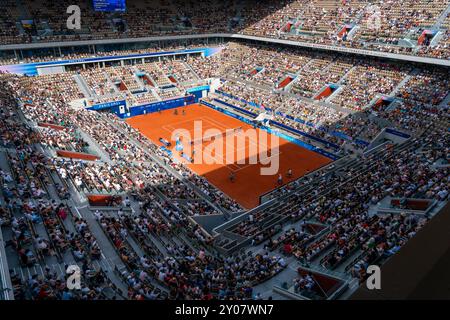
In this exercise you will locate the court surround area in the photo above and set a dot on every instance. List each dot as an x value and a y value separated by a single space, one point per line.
248 183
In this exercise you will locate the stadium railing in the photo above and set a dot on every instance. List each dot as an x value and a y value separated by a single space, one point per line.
6 292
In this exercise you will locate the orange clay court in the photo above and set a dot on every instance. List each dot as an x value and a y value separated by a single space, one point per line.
248 184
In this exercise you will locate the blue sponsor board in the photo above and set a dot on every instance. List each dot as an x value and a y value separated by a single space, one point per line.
275 132
236 108
228 113
362 142
310 124
341 135
166 150
333 145
197 92
31 69
121 110
158 106
397 133
108 105
307 135
200 88
253 104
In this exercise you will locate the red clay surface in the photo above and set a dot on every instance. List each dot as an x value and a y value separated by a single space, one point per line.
249 183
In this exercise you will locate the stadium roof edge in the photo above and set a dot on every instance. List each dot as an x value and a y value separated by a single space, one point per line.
379 54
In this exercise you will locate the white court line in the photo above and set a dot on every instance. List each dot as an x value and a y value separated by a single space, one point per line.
171 128
250 164
193 120
212 120
183 121
255 144
250 140
215 124
240 167
217 159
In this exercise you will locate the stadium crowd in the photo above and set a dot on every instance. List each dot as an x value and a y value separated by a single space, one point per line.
179 259
378 25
